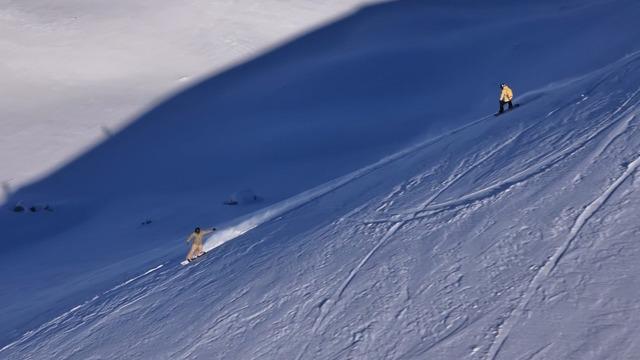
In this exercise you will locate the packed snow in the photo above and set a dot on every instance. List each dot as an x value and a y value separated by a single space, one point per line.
396 218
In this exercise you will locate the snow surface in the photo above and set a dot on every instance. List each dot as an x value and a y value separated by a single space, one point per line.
398 221
92 66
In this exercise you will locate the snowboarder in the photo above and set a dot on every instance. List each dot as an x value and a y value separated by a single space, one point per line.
506 97
196 242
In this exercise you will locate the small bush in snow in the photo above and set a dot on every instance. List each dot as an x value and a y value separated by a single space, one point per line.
33 208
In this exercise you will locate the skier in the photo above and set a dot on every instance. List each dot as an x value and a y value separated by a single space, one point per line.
506 97
196 242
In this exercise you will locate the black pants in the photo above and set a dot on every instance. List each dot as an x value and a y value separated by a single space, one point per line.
505 102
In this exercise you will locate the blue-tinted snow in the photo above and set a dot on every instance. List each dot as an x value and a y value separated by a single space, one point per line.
482 238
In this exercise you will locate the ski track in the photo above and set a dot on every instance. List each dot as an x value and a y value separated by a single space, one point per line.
448 183
494 189
329 303
613 136
522 176
528 173
135 278
253 220
589 211
424 206
542 274
448 333
66 315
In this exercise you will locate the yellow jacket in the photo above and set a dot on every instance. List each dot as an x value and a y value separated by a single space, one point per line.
507 94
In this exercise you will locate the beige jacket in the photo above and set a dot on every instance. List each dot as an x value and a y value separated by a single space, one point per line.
197 237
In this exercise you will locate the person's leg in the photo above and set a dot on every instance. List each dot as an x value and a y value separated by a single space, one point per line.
510 105
199 248
192 252
501 107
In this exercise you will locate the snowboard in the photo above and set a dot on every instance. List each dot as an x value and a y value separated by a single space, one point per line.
197 258
515 106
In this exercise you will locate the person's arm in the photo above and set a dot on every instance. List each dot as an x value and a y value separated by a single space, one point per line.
208 231
190 238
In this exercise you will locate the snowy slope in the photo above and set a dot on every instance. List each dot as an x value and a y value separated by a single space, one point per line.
73 73
512 238
91 67
484 238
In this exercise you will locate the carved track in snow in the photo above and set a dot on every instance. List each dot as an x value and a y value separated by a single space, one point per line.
428 208
492 190
589 211
552 262
328 303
